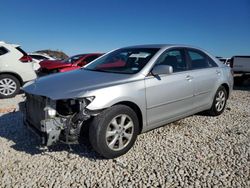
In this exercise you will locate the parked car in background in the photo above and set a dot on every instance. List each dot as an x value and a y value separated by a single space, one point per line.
71 63
16 68
240 64
225 61
143 87
241 68
38 57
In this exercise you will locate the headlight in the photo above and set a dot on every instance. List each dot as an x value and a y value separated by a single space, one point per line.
50 111
87 100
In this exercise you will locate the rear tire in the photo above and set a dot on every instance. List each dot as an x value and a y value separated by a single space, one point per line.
9 86
113 132
219 103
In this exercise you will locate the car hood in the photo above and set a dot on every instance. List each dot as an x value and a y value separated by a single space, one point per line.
54 64
74 84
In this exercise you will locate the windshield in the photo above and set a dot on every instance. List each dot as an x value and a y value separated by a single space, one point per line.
72 59
125 61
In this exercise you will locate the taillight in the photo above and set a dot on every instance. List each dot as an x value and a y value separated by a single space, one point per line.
26 59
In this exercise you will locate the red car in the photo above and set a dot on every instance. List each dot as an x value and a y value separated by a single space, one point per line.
71 63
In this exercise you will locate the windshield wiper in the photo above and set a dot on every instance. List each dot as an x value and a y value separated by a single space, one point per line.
97 70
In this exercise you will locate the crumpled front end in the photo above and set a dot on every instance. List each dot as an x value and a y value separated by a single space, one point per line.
55 120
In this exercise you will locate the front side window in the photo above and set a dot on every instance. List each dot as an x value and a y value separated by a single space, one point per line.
3 50
200 60
124 61
174 58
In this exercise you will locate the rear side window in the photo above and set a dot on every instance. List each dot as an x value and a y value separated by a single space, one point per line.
200 60
3 50
38 57
20 50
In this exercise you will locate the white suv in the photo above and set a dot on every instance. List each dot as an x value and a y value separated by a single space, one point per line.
16 68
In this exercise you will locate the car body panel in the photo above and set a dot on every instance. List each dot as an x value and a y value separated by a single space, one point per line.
173 102
206 81
66 69
73 84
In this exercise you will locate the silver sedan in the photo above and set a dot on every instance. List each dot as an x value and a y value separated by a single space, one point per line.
124 93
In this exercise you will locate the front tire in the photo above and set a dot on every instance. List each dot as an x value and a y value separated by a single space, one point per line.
113 132
9 86
219 103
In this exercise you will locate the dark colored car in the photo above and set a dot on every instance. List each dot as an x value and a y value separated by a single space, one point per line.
71 63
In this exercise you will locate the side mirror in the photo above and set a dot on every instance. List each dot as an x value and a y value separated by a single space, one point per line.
162 69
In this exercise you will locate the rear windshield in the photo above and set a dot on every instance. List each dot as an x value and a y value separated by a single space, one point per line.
38 57
20 50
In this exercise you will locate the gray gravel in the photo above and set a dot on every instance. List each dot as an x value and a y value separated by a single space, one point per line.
198 151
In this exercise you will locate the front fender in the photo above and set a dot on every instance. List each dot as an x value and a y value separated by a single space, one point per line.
106 97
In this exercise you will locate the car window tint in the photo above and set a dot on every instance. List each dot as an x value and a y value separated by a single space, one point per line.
3 50
174 58
21 50
91 58
38 57
200 60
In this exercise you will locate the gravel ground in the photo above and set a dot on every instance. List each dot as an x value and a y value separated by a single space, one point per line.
198 151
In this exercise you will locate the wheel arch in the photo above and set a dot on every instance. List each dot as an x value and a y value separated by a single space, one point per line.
15 75
136 109
226 86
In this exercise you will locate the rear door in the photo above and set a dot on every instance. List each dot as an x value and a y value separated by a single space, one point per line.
205 74
169 96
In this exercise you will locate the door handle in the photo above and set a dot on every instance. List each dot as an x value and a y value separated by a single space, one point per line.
189 78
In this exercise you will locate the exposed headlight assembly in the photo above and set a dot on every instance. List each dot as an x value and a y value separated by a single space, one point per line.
51 112
87 100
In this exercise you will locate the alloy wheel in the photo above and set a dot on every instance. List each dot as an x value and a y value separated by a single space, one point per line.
7 86
119 132
220 101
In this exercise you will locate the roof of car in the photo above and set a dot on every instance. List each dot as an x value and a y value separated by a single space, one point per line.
87 54
159 46
34 53
14 45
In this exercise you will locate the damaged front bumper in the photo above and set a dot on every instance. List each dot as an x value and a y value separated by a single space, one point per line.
63 125
50 130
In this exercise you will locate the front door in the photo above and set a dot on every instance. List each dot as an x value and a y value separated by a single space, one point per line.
169 96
